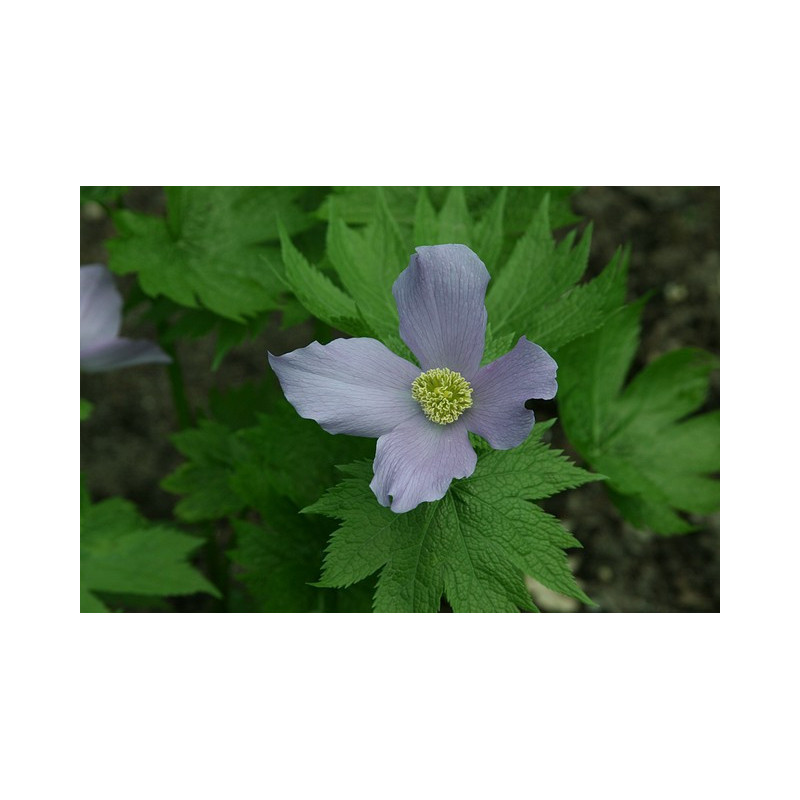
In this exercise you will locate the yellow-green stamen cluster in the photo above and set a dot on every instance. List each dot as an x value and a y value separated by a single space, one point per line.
443 394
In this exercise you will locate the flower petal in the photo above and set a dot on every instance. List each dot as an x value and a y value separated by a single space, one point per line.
416 462
499 392
101 306
355 386
121 353
440 298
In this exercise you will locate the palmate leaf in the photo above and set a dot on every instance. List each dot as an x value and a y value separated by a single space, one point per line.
212 451
535 293
523 200
534 289
279 559
291 456
474 545
228 471
356 204
368 261
122 553
454 223
210 248
658 459
272 464
318 294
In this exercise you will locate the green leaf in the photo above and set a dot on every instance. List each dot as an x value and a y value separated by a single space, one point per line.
591 374
318 294
368 261
455 222
91 604
86 409
278 565
658 459
474 545
426 221
583 308
292 456
231 334
212 451
522 202
487 238
509 297
280 559
240 406
105 195
176 322
229 471
210 249
535 292
667 389
496 346
355 205
121 552
644 513
549 304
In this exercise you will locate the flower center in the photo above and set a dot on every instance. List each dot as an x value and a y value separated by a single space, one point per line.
443 394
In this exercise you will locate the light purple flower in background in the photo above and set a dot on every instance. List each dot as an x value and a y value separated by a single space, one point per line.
101 317
422 417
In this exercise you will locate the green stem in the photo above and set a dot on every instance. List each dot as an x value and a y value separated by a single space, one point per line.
217 565
182 408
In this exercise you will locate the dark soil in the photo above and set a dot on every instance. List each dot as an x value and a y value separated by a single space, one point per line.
674 233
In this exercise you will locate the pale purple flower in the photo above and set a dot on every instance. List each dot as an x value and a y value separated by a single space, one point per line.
421 417
102 348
